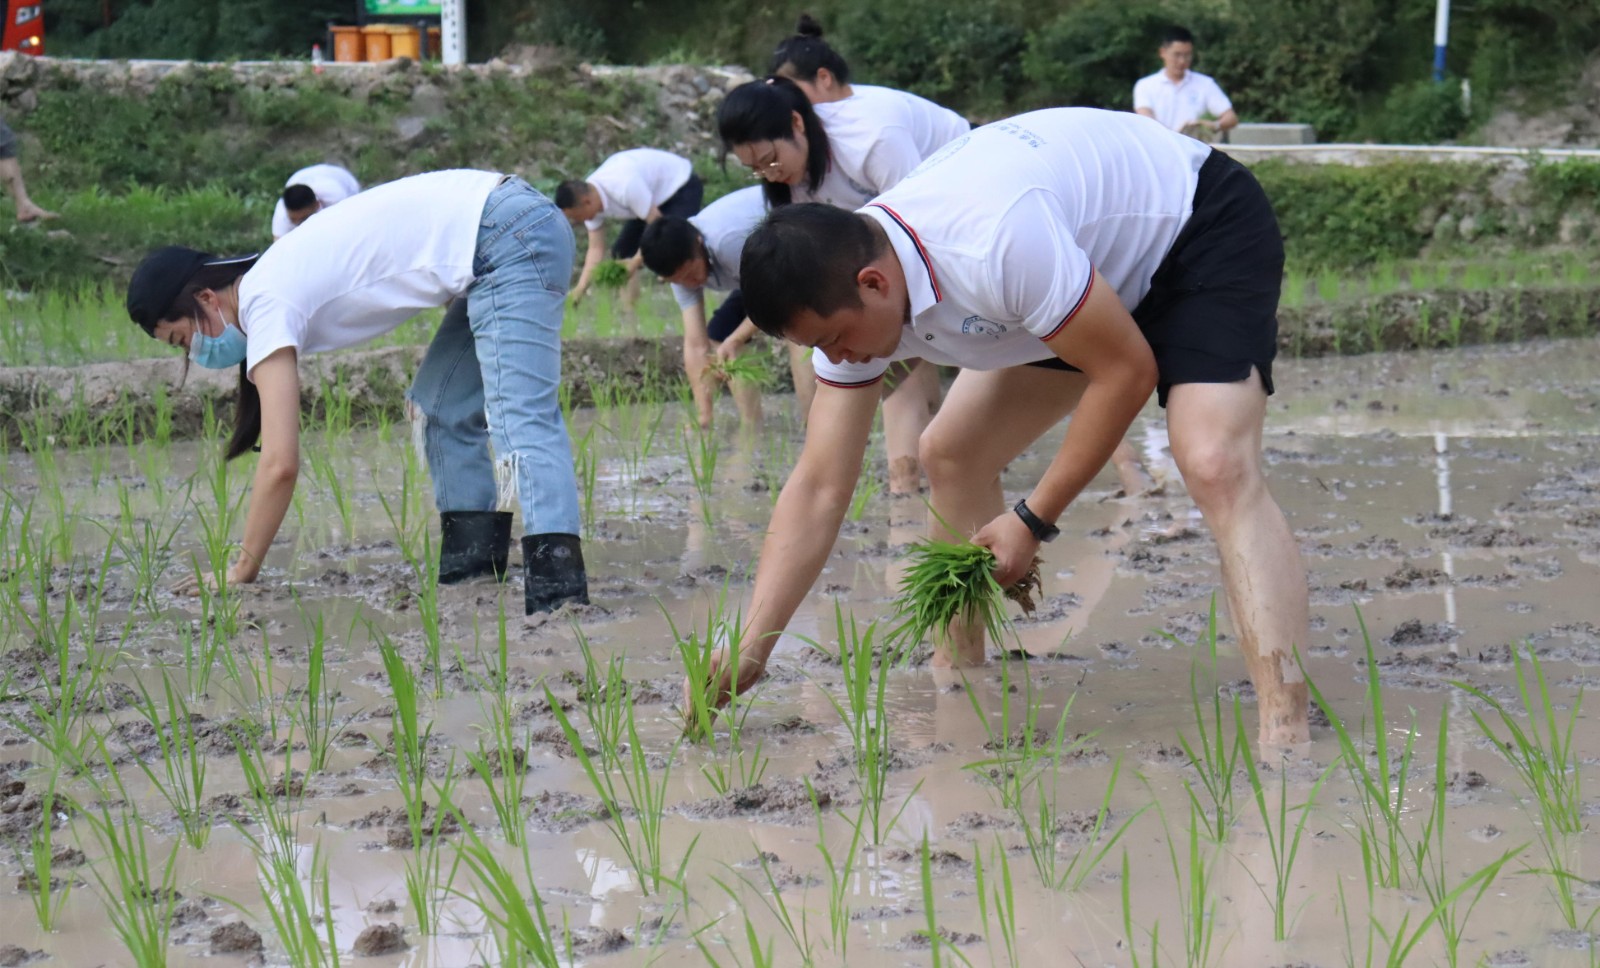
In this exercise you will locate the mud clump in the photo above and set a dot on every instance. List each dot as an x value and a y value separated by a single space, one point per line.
235 937
940 861
1414 633
591 941
560 812
380 939
1409 576
784 801
919 941
12 955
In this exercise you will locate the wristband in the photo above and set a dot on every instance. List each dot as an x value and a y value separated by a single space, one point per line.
1041 531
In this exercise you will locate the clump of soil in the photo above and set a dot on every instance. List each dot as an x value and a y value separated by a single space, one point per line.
12 955
1414 633
380 939
559 812
235 937
918 941
782 801
940 861
589 941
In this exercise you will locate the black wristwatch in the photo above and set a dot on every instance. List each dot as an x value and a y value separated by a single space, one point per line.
1041 531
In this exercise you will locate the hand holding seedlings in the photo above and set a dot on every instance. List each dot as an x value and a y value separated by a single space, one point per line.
1014 547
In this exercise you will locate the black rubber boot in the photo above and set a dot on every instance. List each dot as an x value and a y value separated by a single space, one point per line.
553 572
473 543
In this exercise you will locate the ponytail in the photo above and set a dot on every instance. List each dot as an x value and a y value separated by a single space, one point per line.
246 417
761 111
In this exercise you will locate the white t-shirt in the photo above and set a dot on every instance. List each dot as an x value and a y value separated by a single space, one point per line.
999 233
633 182
357 271
875 137
724 225
1183 102
330 183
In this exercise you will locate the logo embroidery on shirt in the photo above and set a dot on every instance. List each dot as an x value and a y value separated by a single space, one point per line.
978 326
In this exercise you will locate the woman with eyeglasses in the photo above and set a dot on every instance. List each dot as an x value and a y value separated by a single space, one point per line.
486 394
844 153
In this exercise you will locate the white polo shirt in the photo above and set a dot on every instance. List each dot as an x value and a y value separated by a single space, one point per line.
633 182
359 270
1176 104
724 225
999 233
330 183
875 137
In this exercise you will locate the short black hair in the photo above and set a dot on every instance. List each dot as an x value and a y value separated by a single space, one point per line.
1176 35
805 52
760 111
668 243
805 257
297 197
570 192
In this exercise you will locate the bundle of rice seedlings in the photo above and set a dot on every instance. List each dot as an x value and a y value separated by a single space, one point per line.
947 582
610 274
749 368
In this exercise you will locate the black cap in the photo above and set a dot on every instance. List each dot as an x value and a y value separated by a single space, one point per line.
162 276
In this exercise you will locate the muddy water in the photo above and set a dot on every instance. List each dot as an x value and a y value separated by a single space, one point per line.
1449 501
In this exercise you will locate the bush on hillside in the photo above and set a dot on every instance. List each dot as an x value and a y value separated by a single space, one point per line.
964 54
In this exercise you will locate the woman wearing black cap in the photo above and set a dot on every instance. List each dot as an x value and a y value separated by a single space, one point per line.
487 244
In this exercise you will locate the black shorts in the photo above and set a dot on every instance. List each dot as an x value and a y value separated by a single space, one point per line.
8 142
727 317
683 203
1212 310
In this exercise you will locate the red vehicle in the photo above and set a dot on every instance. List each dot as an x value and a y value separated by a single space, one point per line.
24 27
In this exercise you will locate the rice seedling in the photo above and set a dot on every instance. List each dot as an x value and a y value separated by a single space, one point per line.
511 906
1542 755
867 490
145 546
997 903
180 773
586 464
1192 870
701 448
501 760
320 461
1428 856
1213 755
296 894
47 896
1380 781
314 714
938 945
840 871
1128 929
622 774
865 662
1282 844
798 931
140 893
57 720
1545 760
747 367
708 701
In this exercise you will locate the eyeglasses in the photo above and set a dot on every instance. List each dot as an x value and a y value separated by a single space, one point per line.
766 169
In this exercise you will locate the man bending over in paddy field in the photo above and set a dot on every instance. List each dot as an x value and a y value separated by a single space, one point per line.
1070 261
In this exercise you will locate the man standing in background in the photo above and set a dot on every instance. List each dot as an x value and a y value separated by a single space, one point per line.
1182 99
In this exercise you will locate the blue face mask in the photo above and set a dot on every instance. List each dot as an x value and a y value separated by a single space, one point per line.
218 352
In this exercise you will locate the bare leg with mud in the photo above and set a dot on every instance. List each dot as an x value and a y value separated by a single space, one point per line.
965 449
907 410
1215 429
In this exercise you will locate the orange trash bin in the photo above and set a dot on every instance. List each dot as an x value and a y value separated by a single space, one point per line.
376 37
405 42
347 46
